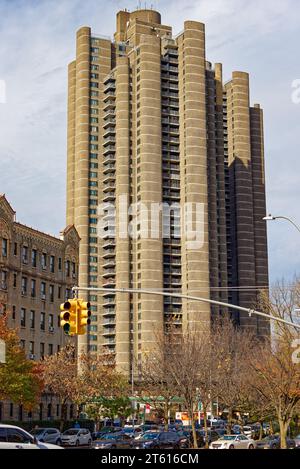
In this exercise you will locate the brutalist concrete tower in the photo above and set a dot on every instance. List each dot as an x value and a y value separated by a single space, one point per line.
151 125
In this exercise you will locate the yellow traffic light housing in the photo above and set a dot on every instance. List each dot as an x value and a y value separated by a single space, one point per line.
68 317
83 318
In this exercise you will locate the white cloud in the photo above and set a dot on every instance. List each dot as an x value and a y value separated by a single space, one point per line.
37 40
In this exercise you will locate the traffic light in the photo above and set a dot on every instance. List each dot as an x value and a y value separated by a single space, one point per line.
83 318
68 317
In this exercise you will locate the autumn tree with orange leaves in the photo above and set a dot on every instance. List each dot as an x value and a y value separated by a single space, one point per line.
20 379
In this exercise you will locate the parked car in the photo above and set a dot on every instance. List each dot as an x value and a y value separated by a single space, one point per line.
113 441
105 431
47 435
297 441
76 437
247 430
12 437
159 440
233 442
132 431
273 442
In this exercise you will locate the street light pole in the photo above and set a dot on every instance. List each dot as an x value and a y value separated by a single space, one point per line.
271 218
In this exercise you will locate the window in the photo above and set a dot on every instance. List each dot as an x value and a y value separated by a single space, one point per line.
93 175
51 293
3 282
31 348
59 263
94 76
94 94
50 349
93 138
93 156
94 120
94 102
14 312
23 317
93 192
16 436
33 288
59 292
11 410
43 290
93 128
94 166
4 247
94 67
73 269
44 261
34 257
92 348
93 147
22 344
95 50
15 281
25 255
15 249
43 321
94 58
24 286
93 184
52 264
94 111
51 323
42 350
32 319
67 265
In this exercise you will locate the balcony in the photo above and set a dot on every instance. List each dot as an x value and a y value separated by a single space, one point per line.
109 169
109 105
109 178
109 131
110 122
109 273
109 159
110 140
109 244
110 94
109 265
109 322
109 312
110 301
108 253
109 331
111 186
109 150
109 342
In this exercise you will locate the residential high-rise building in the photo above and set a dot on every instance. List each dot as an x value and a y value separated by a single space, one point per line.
150 123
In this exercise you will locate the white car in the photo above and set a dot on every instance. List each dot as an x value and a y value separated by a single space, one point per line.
12 437
76 437
247 430
233 442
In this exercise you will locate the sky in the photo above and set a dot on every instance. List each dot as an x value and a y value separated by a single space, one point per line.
37 41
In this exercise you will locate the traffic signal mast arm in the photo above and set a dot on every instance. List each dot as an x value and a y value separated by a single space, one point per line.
249 311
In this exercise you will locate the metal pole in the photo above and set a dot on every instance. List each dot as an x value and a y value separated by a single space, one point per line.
249 311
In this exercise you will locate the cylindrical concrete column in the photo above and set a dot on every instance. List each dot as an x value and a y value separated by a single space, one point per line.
122 203
71 142
193 157
82 158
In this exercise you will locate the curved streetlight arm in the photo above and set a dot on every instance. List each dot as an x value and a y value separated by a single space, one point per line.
281 217
288 219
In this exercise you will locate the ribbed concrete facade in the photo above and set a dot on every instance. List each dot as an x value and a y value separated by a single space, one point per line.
151 124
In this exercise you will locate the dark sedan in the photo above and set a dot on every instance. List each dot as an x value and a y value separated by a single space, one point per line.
273 442
113 441
159 440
